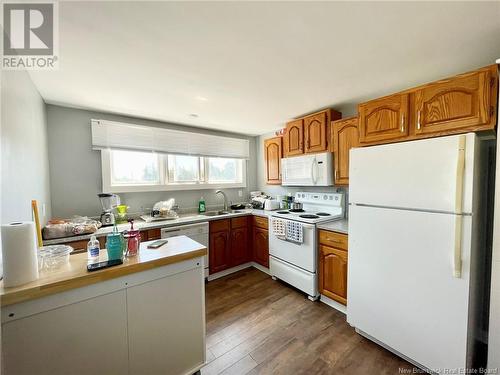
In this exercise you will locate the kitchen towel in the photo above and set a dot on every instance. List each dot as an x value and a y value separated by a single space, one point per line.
19 252
279 228
294 232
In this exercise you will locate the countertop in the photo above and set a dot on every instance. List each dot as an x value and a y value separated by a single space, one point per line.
74 274
340 226
142 225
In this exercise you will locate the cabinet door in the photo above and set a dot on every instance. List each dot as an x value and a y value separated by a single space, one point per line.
261 246
333 273
345 134
219 251
460 103
293 141
383 120
162 312
272 156
239 246
315 132
87 337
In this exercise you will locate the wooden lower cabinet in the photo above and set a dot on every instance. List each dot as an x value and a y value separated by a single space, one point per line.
237 241
261 246
219 252
230 243
239 246
333 272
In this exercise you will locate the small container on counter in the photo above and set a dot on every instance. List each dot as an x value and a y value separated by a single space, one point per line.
132 240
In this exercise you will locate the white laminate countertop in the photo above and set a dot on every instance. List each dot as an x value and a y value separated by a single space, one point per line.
141 225
340 226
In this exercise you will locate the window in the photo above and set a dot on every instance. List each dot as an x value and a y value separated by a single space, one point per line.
129 171
183 169
134 168
221 170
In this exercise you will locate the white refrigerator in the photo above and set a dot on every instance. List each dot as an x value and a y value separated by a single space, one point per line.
415 248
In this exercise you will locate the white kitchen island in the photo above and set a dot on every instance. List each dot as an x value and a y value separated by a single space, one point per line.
146 316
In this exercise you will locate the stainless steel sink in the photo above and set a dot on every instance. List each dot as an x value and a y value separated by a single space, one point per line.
220 213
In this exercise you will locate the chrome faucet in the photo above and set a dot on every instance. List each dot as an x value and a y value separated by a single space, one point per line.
225 198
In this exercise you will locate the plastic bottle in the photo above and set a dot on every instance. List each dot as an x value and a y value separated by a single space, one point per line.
201 205
93 248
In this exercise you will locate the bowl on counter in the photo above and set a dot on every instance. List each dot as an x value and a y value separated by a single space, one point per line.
54 256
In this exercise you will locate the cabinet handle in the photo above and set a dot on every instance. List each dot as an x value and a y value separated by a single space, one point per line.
418 120
402 122
336 175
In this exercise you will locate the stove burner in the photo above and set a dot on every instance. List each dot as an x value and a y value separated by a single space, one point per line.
297 210
282 212
309 216
323 214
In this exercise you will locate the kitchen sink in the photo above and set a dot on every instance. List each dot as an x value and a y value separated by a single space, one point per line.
220 213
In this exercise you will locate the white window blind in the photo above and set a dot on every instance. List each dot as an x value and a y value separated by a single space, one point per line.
110 134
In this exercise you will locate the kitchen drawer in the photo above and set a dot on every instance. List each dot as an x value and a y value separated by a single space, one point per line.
260 222
239 222
219 225
333 239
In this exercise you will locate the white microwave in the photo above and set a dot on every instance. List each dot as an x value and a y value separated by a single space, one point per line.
308 170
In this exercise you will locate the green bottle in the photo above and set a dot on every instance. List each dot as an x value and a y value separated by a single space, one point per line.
201 205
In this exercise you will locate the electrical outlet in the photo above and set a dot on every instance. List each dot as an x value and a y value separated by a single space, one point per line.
240 193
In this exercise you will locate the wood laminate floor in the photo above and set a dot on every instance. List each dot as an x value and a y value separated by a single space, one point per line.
259 326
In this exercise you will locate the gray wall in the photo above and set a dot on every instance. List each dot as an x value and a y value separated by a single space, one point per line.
75 169
25 164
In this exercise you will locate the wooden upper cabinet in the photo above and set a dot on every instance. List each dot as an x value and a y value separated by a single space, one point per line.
315 132
293 141
464 101
345 135
272 157
384 119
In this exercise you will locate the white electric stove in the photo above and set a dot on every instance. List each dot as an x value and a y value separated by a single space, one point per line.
317 208
293 256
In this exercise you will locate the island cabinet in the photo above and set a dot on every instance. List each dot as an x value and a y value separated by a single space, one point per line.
229 243
309 134
345 135
333 265
272 158
120 320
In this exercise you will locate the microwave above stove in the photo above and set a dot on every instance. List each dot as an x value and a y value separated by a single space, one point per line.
308 170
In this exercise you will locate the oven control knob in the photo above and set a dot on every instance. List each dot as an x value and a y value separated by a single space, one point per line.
325 197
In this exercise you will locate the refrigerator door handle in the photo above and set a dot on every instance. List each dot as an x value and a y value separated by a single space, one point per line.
457 258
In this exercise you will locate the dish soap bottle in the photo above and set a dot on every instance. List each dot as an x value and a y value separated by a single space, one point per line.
201 205
93 248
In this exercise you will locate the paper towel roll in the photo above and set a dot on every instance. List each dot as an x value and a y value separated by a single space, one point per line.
19 252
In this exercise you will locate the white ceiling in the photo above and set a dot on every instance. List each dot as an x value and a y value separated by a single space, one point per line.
248 67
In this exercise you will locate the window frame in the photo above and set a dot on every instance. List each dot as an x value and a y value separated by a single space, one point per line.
165 184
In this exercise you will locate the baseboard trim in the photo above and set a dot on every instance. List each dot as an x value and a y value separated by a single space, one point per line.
333 304
261 268
231 270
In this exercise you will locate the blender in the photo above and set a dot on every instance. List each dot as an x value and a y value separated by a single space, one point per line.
108 202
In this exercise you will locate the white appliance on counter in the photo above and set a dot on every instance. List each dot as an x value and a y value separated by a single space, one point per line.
293 249
417 249
308 170
198 232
